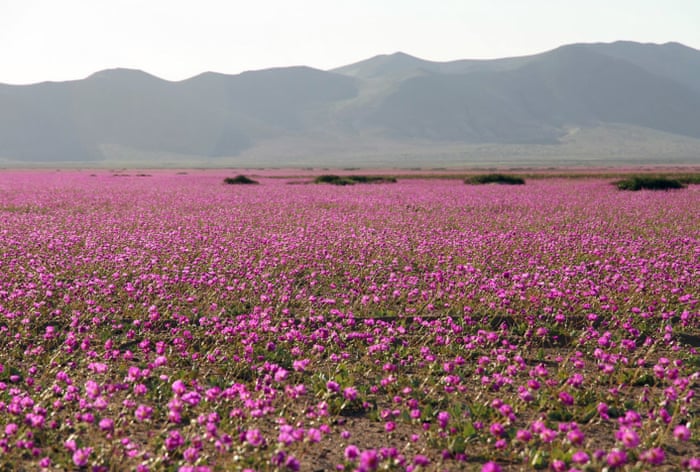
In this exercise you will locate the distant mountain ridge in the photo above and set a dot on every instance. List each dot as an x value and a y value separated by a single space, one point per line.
384 106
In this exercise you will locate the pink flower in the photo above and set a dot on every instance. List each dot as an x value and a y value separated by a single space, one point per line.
628 437
254 437
497 429
523 435
351 452
443 418
106 424
681 433
491 467
143 412
580 457
11 429
350 393
81 456
566 398
616 458
191 454
369 459
653 456
179 387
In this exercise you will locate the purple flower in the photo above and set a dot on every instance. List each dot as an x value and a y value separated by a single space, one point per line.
443 418
421 460
491 467
628 437
143 412
681 433
616 458
106 424
580 457
179 387
369 459
497 429
566 398
191 454
254 437
81 456
350 393
351 452
653 456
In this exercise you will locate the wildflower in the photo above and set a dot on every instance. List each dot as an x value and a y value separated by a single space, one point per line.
443 418
628 437
254 437
350 393
566 398
143 412
106 424
190 454
558 465
351 452
616 458
313 435
369 459
11 429
174 440
497 429
681 433
92 389
421 460
653 456
491 467
179 387
580 457
80 456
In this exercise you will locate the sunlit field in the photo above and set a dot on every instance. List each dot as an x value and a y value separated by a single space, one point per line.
172 322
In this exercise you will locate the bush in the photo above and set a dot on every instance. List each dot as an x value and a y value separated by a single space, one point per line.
635 183
239 180
352 179
494 179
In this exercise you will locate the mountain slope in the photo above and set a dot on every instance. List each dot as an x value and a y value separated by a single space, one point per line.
392 102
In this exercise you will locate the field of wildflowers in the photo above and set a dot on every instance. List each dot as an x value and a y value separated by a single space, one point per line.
172 322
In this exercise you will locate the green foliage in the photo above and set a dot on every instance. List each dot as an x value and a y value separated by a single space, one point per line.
645 182
240 180
494 179
353 179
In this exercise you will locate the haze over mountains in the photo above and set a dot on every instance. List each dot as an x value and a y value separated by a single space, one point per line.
613 103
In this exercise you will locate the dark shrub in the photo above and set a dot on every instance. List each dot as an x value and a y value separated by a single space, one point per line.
352 179
648 183
494 179
239 180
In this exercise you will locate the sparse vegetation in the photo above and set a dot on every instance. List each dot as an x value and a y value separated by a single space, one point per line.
353 179
648 182
240 180
494 179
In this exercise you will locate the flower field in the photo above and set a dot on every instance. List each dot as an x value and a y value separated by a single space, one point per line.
171 322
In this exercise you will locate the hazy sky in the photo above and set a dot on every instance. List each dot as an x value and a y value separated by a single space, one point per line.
175 39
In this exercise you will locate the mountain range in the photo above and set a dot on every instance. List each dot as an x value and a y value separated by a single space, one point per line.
602 103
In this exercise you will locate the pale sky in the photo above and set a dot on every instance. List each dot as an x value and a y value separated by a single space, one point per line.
176 39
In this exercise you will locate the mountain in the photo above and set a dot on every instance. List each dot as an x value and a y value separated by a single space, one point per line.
386 110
